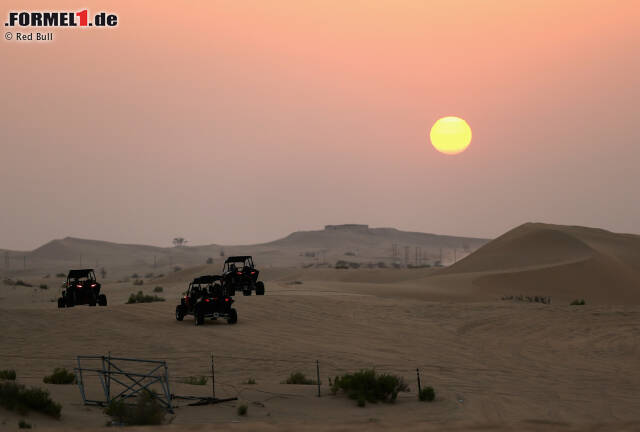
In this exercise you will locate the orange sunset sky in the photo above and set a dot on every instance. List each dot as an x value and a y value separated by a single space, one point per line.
241 121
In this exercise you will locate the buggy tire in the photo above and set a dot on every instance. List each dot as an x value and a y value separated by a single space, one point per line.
259 288
92 301
233 316
179 313
102 300
61 302
68 301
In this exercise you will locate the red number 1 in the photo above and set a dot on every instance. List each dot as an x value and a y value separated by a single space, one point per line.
83 17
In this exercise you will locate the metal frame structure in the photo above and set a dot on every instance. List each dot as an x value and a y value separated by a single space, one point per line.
113 370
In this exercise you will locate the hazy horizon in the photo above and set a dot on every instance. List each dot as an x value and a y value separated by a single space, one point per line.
239 122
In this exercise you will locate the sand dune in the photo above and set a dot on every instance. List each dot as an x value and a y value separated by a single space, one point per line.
553 260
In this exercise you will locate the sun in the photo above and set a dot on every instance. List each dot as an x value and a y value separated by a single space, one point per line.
451 135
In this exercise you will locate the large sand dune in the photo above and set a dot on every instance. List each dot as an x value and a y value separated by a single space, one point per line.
559 261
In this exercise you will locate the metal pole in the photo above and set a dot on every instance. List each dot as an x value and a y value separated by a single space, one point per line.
109 378
419 386
213 380
318 375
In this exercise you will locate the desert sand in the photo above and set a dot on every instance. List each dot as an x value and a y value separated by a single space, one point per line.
495 365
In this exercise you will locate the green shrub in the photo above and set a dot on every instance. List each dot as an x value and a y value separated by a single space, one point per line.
578 302
60 376
143 298
23 425
44 286
135 276
242 409
138 282
16 397
299 378
427 394
367 385
158 289
8 374
251 381
20 282
146 411
61 275
195 380
148 275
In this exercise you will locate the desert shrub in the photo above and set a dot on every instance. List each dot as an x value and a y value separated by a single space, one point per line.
578 302
143 298
158 289
350 253
251 381
16 397
44 286
427 394
242 409
20 282
60 376
369 386
195 380
342 265
135 276
177 269
8 374
148 275
138 282
61 275
209 260
299 378
24 425
146 411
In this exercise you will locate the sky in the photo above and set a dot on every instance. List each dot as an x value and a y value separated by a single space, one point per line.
238 122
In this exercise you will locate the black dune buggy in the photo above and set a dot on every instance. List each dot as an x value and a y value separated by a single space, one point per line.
81 288
239 273
206 298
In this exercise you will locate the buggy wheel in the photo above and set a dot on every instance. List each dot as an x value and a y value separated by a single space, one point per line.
179 313
233 316
69 301
60 302
259 288
92 300
102 300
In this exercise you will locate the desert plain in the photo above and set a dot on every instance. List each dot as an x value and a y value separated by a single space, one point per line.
495 360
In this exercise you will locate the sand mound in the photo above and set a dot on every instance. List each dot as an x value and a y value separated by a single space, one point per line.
560 261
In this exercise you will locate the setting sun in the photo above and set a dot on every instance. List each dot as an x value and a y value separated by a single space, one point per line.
450 135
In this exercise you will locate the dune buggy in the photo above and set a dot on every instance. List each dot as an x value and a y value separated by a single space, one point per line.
206 298
81 288
239 273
